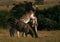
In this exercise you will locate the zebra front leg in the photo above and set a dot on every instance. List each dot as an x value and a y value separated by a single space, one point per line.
36 29
23 34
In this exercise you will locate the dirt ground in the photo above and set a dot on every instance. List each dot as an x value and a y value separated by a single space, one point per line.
44 36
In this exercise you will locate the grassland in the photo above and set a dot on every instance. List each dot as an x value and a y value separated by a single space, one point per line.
44 36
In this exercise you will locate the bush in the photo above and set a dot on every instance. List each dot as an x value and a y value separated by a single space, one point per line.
4 15
49 19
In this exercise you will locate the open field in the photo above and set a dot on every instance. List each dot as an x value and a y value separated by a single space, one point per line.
47 4
44 36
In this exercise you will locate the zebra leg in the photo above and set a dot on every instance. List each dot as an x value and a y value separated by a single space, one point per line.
35 32
32 33
36 29
23 34
18 34
12 31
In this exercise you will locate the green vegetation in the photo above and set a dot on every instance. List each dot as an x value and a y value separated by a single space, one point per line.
49 18
4 15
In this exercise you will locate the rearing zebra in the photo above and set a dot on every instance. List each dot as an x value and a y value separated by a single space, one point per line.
29 14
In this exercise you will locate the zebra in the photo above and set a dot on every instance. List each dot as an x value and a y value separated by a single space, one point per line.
22 27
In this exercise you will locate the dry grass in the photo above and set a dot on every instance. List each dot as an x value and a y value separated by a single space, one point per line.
44 36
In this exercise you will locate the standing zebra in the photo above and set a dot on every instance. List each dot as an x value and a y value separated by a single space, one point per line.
22 27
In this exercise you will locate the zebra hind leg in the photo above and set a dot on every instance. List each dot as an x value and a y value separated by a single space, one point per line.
12 31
